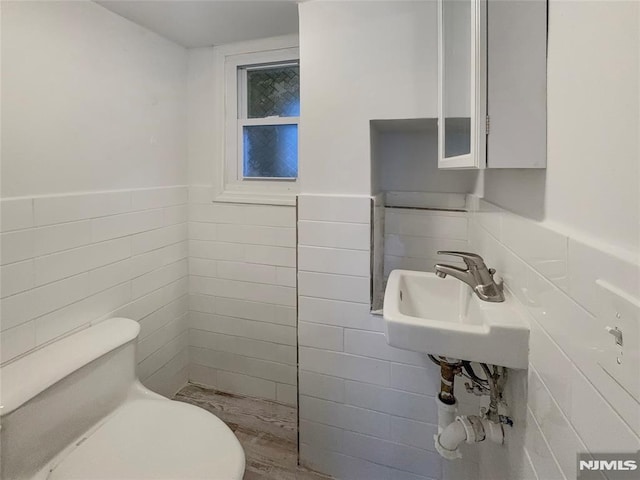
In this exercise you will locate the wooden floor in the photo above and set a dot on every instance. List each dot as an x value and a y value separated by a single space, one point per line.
267 431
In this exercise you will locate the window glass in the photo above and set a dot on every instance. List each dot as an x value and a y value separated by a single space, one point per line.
270 151
268 114
273 92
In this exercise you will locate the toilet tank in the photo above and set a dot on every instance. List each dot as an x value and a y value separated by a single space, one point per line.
53 395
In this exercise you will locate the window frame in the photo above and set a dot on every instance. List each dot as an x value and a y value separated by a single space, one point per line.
229 183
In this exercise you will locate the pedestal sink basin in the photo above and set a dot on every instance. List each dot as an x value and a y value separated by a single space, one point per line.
444 317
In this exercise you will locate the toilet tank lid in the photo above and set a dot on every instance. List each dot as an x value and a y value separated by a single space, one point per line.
30 375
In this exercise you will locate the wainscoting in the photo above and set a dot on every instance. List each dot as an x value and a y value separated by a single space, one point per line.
242 302
72 260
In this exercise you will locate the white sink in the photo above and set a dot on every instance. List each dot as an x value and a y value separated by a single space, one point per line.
444 317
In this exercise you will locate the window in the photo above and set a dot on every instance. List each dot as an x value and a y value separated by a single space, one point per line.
259 86
268 111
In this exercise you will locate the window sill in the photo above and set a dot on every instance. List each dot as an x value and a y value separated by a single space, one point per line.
283 199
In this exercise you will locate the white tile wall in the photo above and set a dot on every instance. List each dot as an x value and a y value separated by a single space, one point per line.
365 406
334 260
69 261
69 208
16 214
242 319
351 236
413 236
335 209
573 405
367 410
334 287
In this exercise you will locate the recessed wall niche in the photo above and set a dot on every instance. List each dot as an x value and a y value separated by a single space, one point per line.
417 208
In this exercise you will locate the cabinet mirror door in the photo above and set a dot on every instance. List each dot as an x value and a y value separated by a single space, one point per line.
458 93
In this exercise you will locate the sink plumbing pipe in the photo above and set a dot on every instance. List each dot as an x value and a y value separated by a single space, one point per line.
449 368
446 399
453 430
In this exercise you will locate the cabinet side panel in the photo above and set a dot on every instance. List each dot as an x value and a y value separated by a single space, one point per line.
517 84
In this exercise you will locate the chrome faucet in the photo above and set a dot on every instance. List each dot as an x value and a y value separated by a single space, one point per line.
477 276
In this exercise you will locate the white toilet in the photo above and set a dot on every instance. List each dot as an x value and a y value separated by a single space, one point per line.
76 410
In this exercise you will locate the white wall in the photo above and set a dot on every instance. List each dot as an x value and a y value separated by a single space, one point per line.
379 62
202 116
71 260
413 236
591 187
366 410
242 301
577 222
90 101
242 269
407 161
93 103
568 404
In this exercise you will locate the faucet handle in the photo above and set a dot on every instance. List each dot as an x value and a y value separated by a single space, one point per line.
471 259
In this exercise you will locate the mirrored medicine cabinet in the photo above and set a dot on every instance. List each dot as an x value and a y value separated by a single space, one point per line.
492 83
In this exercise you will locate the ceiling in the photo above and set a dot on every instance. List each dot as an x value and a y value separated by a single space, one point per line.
210 22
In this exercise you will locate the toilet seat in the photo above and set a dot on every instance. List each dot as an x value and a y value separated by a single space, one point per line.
155 439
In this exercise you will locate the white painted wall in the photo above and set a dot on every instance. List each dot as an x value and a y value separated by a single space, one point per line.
242 268
367 410
90 101
93 103
576 222
378 62
407 161
361 400
591 187
202 107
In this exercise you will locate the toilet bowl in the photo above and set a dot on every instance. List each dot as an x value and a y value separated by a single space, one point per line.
76 410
